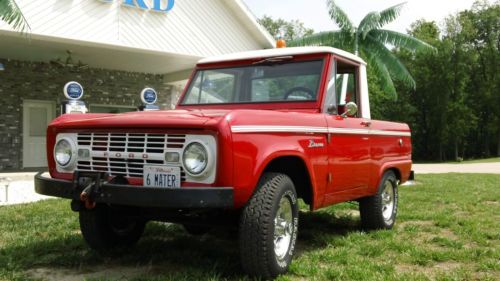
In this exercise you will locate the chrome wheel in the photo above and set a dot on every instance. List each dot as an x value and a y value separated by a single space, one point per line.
388 201
283 228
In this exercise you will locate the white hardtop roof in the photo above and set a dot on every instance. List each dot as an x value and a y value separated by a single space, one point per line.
267 53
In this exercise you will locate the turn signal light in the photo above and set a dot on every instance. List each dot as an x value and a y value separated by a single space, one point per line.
172 157
280 43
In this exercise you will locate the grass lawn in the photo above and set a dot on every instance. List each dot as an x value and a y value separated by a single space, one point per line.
486 160
448 229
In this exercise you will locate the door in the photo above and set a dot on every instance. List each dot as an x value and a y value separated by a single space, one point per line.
349 153
36 116
349 147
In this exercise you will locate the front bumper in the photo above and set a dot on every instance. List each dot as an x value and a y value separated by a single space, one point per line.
140 196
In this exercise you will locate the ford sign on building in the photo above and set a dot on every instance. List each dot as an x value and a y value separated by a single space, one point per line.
114 49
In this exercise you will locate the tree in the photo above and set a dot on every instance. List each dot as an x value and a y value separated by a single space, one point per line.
12 15
289 30
370 41
456 101
480 29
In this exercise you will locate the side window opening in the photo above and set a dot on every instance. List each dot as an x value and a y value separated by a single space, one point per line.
346 84
346 88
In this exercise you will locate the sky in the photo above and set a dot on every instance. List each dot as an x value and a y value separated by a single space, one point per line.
314 14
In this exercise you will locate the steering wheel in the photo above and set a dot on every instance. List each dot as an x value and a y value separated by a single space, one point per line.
308 92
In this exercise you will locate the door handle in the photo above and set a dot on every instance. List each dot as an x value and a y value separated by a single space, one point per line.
366 123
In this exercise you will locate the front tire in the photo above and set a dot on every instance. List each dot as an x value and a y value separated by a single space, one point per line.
269 226
105 229
379 211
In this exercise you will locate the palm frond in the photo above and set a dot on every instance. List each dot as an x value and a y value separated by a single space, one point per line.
390 14
392 63
12 15
368 23
339 16
381 72
401 40
338 39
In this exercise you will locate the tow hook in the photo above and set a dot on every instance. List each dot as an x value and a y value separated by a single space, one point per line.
93 186
85 197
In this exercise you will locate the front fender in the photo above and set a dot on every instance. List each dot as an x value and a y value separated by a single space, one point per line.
254 152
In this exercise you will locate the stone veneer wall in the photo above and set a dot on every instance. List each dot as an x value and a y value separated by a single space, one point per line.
44 81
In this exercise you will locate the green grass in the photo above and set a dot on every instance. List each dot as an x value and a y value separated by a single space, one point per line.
486 160
472 161
447 229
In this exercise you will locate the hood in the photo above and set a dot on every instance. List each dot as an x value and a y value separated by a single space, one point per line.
142 119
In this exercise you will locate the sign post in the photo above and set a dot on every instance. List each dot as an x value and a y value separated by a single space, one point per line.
73 91
149 98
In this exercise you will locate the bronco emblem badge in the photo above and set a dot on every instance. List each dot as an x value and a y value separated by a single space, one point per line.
313 144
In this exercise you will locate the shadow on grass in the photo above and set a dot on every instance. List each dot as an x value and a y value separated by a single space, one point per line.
167 252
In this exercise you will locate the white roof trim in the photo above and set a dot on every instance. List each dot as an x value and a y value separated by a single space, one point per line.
281 52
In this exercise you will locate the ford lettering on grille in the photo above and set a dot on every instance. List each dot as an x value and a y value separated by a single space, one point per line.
126 153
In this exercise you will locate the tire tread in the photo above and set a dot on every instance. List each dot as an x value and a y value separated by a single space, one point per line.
370 207
255 226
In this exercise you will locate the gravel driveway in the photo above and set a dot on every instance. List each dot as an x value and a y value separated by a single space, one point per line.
482 168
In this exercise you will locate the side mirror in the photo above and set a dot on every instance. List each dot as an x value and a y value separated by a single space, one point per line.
350 109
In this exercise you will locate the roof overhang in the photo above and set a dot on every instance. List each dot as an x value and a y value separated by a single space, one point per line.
42 48
251 23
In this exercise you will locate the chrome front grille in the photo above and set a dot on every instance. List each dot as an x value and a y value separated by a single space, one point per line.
127 153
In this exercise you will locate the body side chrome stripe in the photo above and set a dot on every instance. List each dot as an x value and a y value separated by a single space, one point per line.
297 129
390 133
310 129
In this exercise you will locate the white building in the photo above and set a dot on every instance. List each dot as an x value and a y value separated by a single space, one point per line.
114 49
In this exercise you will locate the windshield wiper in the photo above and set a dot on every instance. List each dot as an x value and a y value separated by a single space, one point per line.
274 60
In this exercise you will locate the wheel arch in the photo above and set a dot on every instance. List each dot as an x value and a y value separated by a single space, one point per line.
299 172
396 172
394 167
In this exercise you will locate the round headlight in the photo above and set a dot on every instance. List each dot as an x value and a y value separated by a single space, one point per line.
63 152
195 158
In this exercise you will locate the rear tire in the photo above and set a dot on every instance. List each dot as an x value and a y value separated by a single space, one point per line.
104 229
379 211
269 226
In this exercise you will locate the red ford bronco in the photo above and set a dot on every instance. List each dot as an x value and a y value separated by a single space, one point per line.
252 133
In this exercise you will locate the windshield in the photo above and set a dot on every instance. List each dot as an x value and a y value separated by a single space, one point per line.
262 82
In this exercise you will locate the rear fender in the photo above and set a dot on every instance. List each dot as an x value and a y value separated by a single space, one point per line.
402 170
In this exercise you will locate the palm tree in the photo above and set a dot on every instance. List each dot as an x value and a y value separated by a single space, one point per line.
12 15
370 42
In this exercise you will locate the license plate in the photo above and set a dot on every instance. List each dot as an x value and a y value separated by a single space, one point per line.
162 176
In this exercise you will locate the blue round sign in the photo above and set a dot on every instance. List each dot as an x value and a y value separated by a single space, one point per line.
73 90
149 96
